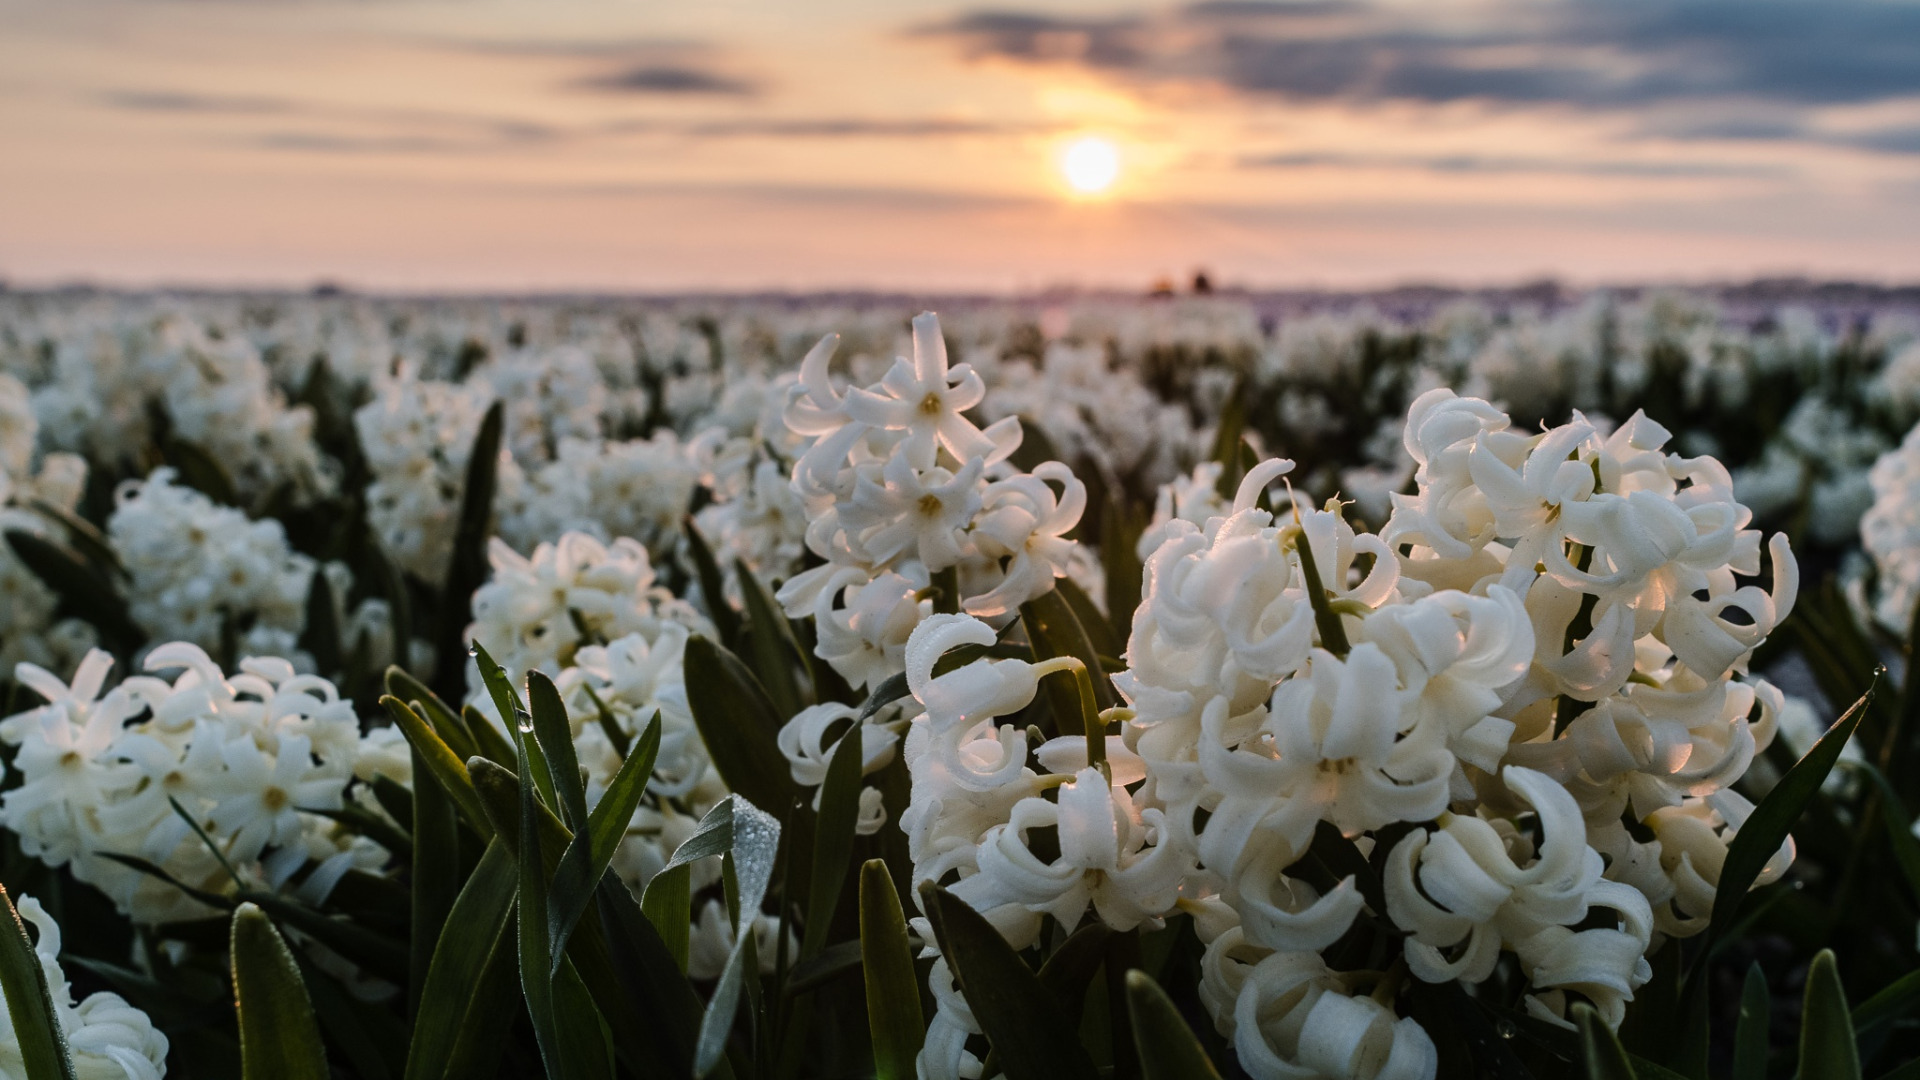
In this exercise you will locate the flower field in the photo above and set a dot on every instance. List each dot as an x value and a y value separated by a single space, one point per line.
1070 688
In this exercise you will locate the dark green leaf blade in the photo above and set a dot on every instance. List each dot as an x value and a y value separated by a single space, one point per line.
279 1039
1750 1037
1599 1048
441 762
738 723
893 991
1168 1049
43 1043
1022 1020
1827 1048
455 1005
1767 828
590 852
467 568
833 841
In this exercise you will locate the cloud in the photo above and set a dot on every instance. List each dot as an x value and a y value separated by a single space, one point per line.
1581 53
827 127
678 80
169 101
1475 164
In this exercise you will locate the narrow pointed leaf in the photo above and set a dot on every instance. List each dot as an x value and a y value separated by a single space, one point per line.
467 568
43 1043
445 721
1827 1049
200 471
441 763
668 905
756 847
738 724
321 635
1600 1050
713 588
1167 1046
1056 631
893 990
1092 620
536 971
1891 1003
770 644
528 756
590 852
83 590
1767 828
833 840
435 887
554 729
1030 1033
279 1039
1750 1036
460 1000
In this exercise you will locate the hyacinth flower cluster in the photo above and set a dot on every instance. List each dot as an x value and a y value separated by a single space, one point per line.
1525 699
218 781
910 508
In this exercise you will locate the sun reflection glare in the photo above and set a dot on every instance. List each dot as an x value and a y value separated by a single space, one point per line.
1090 164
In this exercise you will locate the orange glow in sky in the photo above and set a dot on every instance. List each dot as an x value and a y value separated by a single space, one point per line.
936 144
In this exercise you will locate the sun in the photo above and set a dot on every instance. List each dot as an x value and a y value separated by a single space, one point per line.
1090 164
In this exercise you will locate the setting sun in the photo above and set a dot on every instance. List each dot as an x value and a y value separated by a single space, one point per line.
1090 164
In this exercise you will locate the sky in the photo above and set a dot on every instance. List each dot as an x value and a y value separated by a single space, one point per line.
515 145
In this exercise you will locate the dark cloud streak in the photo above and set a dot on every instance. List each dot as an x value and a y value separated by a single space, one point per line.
1581 53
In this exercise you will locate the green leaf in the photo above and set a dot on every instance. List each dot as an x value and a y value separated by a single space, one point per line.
588 855
467 567
1030 1034
833 841
554 729
893 991
1750 1037
83 590
1120 530
279 1039
1766 829
321 635
1827 1050
462 997
1600 1051
713 588
561 1056
1056 631
590 951
527 754
668 905
658 991
436 875
1226 440
1894 816
200 471
1890 1003
446 722
776 656
1168 1049
43 1043
377 953
1068 972
441 763
738 724
1092 620
755 848
488 742
84 536
392 582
